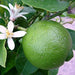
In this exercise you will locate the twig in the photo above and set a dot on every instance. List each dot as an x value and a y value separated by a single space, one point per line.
57 14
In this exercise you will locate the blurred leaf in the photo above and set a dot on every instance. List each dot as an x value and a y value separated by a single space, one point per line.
73 4
3 53
72 0
6 2
70 55
71 15
23 66
2 10
20 60
3 1
10 62
49 5
68 0
2 21
41 72
72 33
53 72
29 69
21 22
29 10
13 71
17 1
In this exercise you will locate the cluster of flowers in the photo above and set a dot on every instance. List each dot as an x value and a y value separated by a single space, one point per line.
7 33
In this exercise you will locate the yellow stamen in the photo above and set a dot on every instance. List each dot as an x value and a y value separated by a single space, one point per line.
18 6
8 34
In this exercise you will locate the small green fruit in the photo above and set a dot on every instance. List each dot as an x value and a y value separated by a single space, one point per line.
47 44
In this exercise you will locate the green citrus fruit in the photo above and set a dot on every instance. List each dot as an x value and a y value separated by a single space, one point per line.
47 44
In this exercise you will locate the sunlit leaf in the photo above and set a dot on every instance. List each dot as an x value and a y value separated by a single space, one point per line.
49 5
3 53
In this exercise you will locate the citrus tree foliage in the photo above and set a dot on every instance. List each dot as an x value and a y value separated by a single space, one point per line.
14 62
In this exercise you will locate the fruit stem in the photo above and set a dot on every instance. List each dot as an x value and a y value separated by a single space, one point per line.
20 28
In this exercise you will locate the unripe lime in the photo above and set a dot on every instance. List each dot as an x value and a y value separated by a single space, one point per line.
47 44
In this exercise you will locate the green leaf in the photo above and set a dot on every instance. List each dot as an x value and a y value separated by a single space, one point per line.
68 0
53 72
3 53
10 62
23 66
49 5
71 15
3 1
41 72
2 21
72 33
21 22
70 55
73 4
20 60
13 71
29 69
6 2
29 10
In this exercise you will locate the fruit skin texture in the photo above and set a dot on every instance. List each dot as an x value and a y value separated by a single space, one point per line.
47 44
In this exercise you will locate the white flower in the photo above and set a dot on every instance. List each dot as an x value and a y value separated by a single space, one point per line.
14 11
9 34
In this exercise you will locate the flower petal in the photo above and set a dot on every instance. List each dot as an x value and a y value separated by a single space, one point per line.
5 7
24 17
2 29
19 15
10 26
11 44
19 34
23 13
2 36
10 6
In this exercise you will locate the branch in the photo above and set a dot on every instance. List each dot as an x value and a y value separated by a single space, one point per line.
57 14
